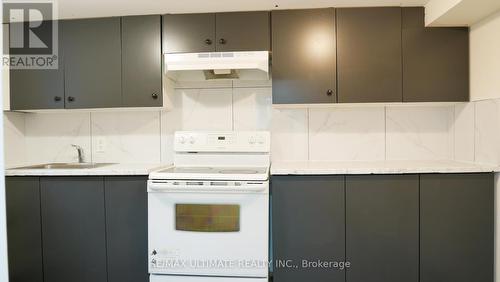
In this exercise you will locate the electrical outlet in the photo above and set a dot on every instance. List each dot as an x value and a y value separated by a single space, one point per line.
100 145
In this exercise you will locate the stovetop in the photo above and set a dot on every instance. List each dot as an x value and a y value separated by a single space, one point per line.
212 173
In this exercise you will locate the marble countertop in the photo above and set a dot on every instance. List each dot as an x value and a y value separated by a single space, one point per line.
377 167
284 168
112 169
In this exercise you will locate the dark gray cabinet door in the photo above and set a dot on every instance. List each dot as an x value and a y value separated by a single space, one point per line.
141 61
456 227
304 56
308 214
243 31
127 229
24 231
435 60
33 89
382 228
73 228
92 63
369 55
188 33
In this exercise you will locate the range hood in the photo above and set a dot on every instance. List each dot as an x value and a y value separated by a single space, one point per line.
217 65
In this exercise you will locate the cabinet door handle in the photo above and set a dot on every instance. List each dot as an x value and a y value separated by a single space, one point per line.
208 41
154 96
329 92
57 98
222 41
71 99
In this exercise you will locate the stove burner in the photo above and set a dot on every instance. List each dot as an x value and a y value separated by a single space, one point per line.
193 168
238 171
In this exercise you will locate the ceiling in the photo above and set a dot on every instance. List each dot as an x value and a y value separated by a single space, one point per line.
104 8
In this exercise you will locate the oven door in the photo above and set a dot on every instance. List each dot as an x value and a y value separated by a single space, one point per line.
208 228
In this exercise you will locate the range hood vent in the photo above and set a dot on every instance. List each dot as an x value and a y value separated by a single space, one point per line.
218 65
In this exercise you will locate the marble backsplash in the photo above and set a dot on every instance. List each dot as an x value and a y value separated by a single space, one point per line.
357 132
136 136
364 133
487 131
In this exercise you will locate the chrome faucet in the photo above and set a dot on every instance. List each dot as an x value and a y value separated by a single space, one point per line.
80 153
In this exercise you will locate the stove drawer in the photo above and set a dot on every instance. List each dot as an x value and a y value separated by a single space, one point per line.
172 278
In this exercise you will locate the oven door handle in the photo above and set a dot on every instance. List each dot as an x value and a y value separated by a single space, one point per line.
184 188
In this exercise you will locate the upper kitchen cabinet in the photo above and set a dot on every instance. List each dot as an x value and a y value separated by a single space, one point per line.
92 62
222 32
38 88
188 33
243 31
304 56
141 61
435 60
369 55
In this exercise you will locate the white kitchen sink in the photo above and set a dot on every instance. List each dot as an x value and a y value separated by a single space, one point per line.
65 166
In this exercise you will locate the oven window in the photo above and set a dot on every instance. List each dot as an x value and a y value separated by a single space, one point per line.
207 218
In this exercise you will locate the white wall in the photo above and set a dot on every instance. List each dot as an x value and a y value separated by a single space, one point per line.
357 132
481 119
458 12
14 138
485 58
434 9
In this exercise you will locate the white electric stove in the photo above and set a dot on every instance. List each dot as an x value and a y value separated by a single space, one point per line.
209 213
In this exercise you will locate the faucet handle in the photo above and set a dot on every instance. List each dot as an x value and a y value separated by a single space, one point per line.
76 146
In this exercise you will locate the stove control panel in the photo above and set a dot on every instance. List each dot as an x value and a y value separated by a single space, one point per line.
222 141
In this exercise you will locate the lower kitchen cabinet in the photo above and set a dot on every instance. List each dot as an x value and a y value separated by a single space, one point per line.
413 228
24 231
382 228
426 228
77 228
308 216
73 228
456 227
126 228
